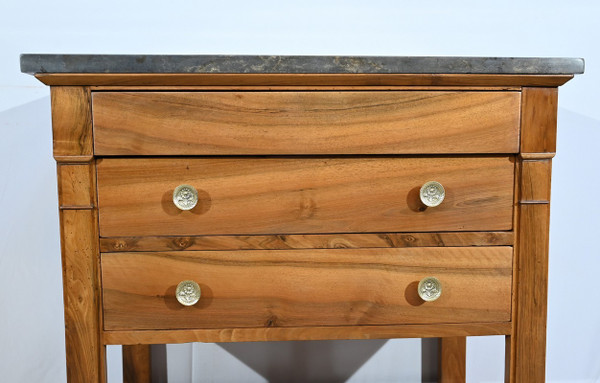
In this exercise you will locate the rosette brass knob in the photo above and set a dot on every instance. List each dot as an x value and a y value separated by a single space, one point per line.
432 193
185 197
187 293
430 289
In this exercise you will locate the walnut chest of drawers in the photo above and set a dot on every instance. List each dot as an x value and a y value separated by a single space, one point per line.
245 198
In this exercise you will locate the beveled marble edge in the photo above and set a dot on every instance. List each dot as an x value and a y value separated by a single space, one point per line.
66 63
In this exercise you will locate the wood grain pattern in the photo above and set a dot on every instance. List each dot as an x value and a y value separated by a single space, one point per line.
85 354
529 352
71 123
526 347
303 195
241 123
509 344
137 364
453 359
72 136
306 241
303 88
76 186
535 181
283 288
136 79
538 120
305 333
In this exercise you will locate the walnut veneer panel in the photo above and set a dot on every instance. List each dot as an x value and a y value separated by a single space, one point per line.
279 288
303 195
367 122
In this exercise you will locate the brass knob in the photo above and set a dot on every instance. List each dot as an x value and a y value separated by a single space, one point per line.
187 293
185 197
430 289
432 193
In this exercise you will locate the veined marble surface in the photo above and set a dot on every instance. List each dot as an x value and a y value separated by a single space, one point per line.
59 63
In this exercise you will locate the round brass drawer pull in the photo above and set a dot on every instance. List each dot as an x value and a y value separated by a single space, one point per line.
430 289
187 293
432 193
185 197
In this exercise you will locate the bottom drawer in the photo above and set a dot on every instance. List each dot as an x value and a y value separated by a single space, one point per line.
298 288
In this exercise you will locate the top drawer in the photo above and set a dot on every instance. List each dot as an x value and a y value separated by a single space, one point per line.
289 123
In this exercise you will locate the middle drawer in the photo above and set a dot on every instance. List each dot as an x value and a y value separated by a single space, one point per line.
303 195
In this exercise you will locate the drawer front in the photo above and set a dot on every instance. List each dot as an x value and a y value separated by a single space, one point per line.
325 122
302 195
306 287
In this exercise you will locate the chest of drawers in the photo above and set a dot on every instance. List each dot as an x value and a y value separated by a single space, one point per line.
228 198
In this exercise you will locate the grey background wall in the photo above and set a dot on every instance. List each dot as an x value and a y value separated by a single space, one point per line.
31 318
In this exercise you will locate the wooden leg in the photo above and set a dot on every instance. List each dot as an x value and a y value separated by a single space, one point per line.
137 364
526 348
84 349
453 365
73 150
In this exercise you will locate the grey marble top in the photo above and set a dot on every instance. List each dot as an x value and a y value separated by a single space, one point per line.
55 63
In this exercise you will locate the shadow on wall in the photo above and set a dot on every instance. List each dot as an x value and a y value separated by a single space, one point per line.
315 361
354 361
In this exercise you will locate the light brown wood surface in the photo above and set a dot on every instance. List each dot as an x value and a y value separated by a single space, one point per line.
526 347
303 195
84 350
214 123
300 248
133 79
279 288
305 333
306 241
453 356
537 156
535 181
76 186
529 352
538 120
71 123
72 136
137 364
301 88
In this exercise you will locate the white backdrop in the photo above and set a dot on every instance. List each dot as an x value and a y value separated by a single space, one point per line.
31 319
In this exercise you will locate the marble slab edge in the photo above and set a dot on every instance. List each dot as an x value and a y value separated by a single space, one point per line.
68 63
